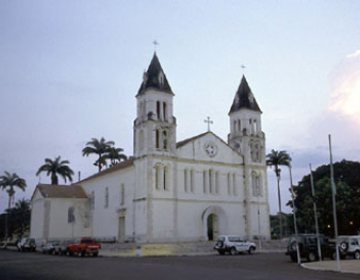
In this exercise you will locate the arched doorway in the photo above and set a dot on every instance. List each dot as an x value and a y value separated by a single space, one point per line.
214 222
212 227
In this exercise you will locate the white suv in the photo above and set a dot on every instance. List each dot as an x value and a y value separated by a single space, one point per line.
350 245
233 244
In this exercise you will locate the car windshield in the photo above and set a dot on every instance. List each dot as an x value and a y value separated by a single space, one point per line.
86 241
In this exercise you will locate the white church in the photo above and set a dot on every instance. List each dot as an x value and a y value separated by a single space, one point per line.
169 191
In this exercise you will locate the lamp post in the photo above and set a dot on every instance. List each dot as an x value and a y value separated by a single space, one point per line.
294 215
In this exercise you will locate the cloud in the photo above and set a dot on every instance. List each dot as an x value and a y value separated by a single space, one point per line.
345 87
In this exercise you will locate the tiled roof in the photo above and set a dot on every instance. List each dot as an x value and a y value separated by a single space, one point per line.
244 98
119 166
155 78
61 191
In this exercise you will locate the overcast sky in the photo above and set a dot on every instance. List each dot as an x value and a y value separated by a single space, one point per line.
70 70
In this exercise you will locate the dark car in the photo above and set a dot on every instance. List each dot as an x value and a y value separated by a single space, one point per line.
308 247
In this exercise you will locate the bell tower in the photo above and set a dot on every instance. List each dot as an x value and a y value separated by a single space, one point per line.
246 135
155 125
247 138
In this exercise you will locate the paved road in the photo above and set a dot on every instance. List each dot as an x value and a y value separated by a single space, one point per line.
35 266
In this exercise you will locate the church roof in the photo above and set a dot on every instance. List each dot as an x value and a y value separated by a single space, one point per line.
155 78
61 191
244 98
184 142
116 167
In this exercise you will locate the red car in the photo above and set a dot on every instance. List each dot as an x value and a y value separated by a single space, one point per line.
82 247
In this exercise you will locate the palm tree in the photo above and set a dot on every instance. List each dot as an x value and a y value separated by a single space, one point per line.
98 147
56 167
8 182
115 155
276 159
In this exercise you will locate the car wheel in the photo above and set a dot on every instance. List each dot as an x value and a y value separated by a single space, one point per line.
311 257
357 255
221 252
251 250
53 252
343 247
81 254
95 254
68 253
233 251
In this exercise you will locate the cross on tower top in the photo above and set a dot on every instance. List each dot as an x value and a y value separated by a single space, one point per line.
208 121
243 68
155 44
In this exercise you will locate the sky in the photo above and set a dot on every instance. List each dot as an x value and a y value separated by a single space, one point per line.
70 70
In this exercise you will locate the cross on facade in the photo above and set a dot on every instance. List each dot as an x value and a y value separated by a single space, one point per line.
155 44
208 121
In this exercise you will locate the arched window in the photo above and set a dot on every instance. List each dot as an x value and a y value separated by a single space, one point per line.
157 176
71 215
234 184
92 200
158 109
256 184
122 195
141 140
106 205
164 111
157 138
165 139
204 182
211 181
192 180
165 178
255 130
239 125
235 126
185 180
217 182
229 183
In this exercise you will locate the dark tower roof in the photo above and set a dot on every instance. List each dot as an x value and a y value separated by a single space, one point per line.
155 77
244 99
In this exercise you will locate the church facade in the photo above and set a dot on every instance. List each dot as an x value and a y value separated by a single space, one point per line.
168 191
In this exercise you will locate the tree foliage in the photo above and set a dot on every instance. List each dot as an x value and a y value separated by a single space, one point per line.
18 220
56 167
9 182
105 150
347 181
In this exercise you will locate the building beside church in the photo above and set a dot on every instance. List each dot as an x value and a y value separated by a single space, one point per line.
168 191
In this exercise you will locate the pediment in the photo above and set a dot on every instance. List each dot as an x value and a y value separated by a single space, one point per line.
208 147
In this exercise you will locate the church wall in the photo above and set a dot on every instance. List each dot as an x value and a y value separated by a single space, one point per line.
108 206
37 217
163 227
60 226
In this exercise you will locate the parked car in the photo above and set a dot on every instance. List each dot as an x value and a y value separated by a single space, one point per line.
349 246
233 244
26 244
308 247
52 247
82 247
